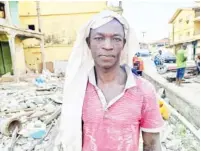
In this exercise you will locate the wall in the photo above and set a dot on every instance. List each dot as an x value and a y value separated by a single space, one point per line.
52 53
48 8
178 100
182 29
20 58
14 13
65 30
197 27
59 22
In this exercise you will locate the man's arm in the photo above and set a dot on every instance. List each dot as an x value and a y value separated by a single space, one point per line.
151 141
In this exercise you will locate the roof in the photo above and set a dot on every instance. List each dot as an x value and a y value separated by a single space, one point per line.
164 40
178 12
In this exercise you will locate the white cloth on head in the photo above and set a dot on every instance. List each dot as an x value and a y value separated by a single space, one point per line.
79 65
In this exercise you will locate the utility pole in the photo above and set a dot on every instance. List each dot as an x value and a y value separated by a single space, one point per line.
143 35
42 38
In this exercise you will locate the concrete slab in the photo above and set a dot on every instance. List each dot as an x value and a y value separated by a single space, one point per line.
186 99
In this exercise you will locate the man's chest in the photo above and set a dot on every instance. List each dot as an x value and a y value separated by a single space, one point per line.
126 108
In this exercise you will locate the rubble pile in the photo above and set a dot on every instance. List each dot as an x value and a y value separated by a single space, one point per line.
29 113
176 137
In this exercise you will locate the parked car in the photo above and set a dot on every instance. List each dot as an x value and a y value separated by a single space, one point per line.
169 57
144 52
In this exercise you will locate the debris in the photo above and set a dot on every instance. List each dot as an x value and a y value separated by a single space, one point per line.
40 141
35 106
53 116
9 125
164 110
7 78
13 139
38 134
161 93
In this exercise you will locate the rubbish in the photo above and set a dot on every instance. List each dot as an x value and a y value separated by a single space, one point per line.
40 81
13 139
171 79
9 125
161 92
164 110
38 134
53 116
40 141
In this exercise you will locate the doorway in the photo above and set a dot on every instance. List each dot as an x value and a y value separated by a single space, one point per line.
5 58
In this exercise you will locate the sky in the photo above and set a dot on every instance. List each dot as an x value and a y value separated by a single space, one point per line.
151 16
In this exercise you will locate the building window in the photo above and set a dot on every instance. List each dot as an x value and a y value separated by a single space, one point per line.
180 20
31 27
188 34
2 10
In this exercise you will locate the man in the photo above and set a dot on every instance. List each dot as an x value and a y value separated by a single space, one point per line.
158 59
105 107
197 61
181 58
138 64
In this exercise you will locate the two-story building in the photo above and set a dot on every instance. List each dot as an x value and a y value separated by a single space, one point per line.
11 37
185 28
59 22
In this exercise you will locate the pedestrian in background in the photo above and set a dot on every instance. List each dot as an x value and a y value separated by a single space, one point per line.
138 64
181 58
197 61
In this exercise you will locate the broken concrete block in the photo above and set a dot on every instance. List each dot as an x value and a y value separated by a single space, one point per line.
174 144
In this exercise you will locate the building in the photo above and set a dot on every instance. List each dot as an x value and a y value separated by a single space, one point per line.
59 23
185 28
160 43
12 57
143 45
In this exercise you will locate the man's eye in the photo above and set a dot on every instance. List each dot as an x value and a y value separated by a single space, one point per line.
98 38
117 39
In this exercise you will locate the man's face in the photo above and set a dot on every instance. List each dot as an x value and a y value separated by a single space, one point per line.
106 44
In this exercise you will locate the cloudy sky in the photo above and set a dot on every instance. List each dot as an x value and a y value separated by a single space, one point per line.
152 16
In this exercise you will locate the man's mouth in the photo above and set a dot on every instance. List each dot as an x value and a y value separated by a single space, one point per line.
107 56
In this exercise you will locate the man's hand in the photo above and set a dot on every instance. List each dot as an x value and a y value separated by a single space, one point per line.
151 141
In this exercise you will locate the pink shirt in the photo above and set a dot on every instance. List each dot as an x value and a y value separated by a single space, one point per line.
116 126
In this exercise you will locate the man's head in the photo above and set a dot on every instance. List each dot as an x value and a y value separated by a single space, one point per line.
160 52
184 46
137 54
106 44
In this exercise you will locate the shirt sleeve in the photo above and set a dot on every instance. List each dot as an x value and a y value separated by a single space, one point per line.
151 119
185 54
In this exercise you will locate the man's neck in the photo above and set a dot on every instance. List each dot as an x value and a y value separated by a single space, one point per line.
106 76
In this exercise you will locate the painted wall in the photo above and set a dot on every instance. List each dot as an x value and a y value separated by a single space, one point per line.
14 12
20 58
52 53
184 26
59 21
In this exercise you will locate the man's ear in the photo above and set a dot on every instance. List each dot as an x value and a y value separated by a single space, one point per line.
124 42
88 42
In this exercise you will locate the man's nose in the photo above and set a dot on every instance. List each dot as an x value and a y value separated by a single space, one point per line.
108 44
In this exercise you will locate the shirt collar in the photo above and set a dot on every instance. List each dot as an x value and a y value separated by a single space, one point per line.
130 82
